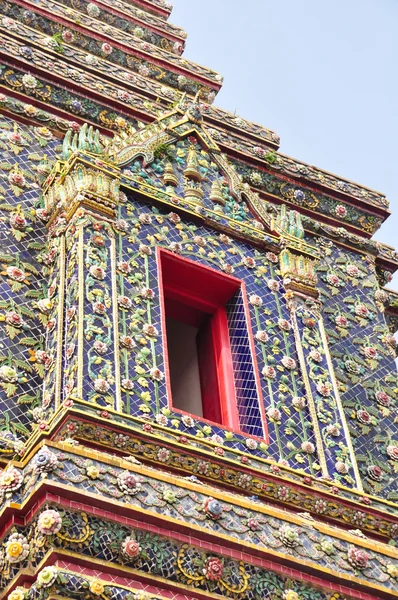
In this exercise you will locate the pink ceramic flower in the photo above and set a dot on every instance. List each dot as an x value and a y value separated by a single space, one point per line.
49 522
213 569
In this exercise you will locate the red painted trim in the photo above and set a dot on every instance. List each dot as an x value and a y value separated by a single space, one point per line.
152 8
208 371
225 372
202 288
164 333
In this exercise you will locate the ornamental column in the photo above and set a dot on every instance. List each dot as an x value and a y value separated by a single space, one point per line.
81 196
298 261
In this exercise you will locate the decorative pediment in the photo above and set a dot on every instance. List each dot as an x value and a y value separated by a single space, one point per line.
176 161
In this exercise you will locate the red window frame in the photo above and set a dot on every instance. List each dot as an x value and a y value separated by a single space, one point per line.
188 301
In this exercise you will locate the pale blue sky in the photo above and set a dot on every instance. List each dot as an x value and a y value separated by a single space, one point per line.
322 74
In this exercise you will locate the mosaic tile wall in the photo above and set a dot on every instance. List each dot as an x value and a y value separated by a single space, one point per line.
122 367
363 353
22 283
276 355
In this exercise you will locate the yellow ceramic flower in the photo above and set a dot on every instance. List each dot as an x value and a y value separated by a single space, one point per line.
7 478
392 570
17 594
44 131
30 110
14 549
120 122
96 587
92 472
47 521
291 595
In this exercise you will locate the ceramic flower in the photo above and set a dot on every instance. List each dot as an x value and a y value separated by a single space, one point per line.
169 496
298 402
251 444
150 330
212 508
163 454
106 49
17 594
358 558
255 300
340 211
147 293
45 461
101 385
49 522
96 587
124 302
18 222
128 483
16 548
14 319
261 336
130 548
284 324
289 536
47 576
213 569
100 347
92 471
188 421
97 272
308 447
392 570
10 480
15 274
288 362
392 451
269 372
290 595
375 473
126 341
274 414
341 467
29 81
273 285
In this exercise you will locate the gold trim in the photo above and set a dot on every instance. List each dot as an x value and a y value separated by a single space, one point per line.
115 325
61 322
80 326
74 412
339 405
310 398
240 502
247 546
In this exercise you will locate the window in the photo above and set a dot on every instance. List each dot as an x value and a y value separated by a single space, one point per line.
209 357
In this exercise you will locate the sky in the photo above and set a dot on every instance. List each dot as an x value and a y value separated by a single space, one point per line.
320 73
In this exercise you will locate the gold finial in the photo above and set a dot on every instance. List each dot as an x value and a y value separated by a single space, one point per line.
216 194
169 177
192 169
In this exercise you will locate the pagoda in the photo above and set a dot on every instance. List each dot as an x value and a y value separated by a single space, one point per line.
198 391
